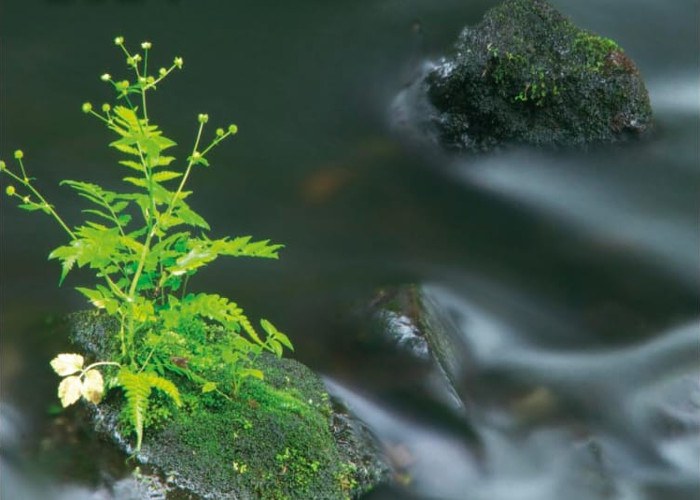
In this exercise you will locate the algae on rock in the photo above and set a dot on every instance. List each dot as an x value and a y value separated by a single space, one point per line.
526 74
280 438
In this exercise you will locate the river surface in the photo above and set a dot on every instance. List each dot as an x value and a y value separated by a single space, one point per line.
572 278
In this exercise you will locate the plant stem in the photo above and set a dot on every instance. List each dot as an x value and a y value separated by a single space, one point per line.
101 363
154 229
44 204
187 172
143 88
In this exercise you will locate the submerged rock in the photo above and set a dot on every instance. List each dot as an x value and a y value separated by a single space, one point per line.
527 75
406 318
280 438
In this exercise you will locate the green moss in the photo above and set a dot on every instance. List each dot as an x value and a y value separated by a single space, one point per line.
593 49
346 477
519 79
274 440
524 73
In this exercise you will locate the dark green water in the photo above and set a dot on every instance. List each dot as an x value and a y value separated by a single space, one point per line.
567 252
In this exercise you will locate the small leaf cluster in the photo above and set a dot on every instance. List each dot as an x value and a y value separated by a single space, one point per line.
143 244
78 381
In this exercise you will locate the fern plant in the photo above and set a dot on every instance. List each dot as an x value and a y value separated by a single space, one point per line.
137 389
143 245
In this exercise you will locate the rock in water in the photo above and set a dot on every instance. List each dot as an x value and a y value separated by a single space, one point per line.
281 437
527 75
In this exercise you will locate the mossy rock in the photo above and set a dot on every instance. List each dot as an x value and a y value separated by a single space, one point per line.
527 75
281 438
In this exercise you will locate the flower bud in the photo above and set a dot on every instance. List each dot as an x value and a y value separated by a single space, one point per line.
146 45
10 190
2 165
106 77
203 118
123 85
196 155
162 71
119 40
25 199
106 108
19 154
142 80
232 129
219 132
178 62
87 107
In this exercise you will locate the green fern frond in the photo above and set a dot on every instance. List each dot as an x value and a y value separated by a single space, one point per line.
137 389
164 385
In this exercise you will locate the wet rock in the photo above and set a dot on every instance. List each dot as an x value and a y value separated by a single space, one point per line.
281 438
527 75
405 317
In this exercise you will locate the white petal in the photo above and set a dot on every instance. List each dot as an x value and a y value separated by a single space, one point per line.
67 364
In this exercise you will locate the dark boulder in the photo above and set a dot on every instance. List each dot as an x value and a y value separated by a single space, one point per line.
527 75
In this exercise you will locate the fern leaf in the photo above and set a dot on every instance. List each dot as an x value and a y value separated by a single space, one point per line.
242 246
166 386
137 389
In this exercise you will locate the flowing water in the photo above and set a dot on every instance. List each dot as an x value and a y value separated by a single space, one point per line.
570 278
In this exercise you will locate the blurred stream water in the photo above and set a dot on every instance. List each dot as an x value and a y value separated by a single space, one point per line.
572 278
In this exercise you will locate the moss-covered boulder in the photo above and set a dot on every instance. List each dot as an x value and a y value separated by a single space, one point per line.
280 438
527 75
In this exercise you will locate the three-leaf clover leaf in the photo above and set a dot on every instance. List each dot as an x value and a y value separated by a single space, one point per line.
86 382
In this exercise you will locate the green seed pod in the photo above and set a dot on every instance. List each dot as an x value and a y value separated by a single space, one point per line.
232 129
87 107
10 190
19 154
